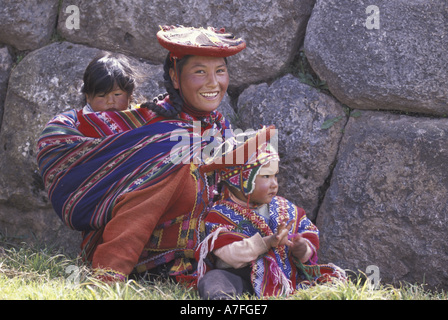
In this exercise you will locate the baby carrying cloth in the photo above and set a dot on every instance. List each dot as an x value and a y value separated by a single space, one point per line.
131 150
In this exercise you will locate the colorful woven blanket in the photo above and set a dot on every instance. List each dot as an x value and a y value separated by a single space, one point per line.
88 161
84 176
276 272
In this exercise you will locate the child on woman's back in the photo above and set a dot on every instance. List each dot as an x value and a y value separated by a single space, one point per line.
109 83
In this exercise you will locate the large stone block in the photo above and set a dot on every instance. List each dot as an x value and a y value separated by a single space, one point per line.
387 202
390 56
273 29
307 150
27 24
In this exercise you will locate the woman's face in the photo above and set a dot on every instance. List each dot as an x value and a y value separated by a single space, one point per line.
203 82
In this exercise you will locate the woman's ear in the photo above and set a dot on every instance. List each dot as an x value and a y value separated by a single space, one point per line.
88 98
174 78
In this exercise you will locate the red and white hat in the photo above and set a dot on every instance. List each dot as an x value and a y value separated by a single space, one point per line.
181 41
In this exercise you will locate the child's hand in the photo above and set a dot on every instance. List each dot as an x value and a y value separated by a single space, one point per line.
280 237
299 247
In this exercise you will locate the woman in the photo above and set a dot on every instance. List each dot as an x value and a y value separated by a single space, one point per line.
138 209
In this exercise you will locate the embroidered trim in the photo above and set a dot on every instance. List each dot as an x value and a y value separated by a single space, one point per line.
109 275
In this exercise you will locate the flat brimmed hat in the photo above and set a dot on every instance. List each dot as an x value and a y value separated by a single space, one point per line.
181 41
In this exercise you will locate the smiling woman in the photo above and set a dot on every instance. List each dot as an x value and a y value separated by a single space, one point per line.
195 70
110 173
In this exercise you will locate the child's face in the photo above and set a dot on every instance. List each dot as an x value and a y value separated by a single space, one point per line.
116 100
266 185
203 81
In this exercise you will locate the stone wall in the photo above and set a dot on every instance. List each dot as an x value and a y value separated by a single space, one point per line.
358 93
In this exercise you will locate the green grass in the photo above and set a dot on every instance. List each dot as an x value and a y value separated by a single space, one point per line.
28 273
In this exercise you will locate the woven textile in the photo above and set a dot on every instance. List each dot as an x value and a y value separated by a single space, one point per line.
84 176
276 272
127 151
242 177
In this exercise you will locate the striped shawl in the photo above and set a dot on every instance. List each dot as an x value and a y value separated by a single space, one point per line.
124 152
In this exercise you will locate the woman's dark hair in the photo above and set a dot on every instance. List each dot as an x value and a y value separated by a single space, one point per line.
107 70
174 94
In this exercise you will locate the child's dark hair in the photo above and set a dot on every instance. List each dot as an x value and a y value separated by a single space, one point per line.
107 70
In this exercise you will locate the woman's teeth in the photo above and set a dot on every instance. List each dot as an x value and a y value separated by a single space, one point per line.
209 94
